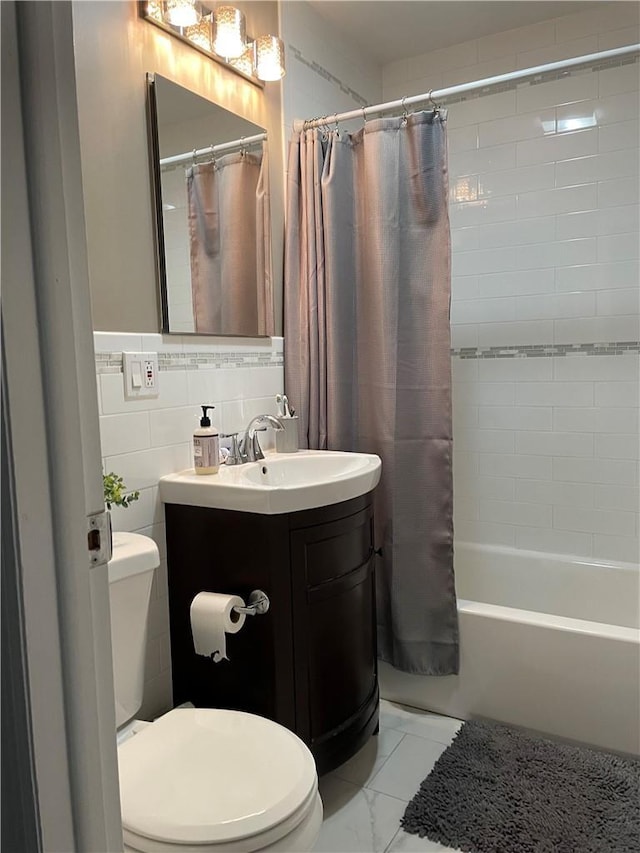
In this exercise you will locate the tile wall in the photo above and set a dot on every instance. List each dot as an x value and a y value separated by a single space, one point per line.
144 439
545 287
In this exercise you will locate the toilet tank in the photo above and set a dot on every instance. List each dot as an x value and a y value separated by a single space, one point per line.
131 569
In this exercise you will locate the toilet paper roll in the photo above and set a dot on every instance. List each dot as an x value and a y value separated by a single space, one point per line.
212 618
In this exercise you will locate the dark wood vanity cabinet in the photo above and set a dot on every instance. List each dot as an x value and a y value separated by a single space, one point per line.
310 662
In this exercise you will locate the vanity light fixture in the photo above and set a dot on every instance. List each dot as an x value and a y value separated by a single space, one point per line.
219 33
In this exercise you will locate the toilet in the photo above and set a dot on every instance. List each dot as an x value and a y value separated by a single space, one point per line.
198 779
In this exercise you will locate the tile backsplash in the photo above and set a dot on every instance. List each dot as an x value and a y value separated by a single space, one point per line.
144 439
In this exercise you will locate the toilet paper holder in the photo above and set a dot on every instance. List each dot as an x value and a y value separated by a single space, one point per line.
257 605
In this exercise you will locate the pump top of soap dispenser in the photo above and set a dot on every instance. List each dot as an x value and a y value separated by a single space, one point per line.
205 420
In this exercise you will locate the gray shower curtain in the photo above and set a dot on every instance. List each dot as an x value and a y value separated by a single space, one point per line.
367 361
230 245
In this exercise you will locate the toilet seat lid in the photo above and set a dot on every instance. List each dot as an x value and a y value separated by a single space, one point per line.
202 775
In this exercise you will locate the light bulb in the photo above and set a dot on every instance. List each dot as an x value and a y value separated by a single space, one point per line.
269 58
246 62
230 37
181 13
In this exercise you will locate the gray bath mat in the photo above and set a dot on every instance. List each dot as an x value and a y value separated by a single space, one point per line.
497 790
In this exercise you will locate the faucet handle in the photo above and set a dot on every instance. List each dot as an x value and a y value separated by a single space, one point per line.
235 456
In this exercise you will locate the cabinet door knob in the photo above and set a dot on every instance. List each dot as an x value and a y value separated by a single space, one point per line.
377 552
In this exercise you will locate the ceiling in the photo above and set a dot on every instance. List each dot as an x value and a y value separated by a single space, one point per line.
395 29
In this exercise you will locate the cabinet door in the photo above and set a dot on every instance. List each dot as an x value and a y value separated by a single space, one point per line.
334 625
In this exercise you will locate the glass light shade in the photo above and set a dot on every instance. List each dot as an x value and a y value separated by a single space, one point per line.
180 13
269 58
201 33
154 10
246 62
230 37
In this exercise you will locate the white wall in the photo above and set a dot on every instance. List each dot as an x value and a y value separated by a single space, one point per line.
545 255
144 439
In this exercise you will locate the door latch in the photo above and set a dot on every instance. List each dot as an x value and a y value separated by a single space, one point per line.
99 540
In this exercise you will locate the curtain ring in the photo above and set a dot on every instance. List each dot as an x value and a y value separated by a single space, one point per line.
364 114
405 114
432 102
195 154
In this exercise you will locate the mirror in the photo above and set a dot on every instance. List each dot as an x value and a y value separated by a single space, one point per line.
211 196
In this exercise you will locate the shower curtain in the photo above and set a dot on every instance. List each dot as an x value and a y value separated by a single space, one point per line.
230 245
367 361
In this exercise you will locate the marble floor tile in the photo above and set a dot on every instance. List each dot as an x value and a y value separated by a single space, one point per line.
356 820
365 764
410 762
403 842
419 723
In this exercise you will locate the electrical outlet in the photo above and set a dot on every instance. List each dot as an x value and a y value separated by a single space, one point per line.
140 372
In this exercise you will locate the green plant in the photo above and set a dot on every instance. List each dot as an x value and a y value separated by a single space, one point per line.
114 491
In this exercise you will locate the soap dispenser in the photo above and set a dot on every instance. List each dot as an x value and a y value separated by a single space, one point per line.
206 446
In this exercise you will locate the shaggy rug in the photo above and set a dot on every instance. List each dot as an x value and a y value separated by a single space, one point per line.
498 790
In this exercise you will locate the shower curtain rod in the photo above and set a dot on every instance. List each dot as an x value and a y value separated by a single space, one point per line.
212 149
438 94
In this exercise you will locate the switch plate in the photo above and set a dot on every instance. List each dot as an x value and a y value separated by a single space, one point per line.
140 372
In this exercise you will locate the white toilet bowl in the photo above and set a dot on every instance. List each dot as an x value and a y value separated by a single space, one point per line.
199 779
217 780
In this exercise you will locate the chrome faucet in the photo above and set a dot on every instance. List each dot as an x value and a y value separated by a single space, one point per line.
249 449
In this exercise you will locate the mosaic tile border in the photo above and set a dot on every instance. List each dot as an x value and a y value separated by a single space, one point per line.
111 362
327 75
548 350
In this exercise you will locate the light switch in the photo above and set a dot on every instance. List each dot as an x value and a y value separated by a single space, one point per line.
140 372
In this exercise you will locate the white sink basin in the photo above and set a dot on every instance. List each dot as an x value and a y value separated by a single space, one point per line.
279 483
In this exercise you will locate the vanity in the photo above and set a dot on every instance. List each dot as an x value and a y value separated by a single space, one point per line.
300 527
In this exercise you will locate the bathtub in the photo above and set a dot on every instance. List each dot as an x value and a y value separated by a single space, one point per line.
547 642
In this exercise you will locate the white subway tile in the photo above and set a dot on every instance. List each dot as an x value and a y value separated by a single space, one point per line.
484 440
553 541
517 233
598 223
622 134
464 369
162 343
482 160
598 167
175 426
464 335
143 469
510 512
558 305
619 191
616 394
594 521
237 414
598 19
594 329
567 90
116 342
515 370
484 261
516 40
515 128
137 515
515 417
556 52
485 533
626 498
465 508
462 138
617 420
172 385
482 211
548 492
519 282
465 465
574 419
479 71
598 276
512 181
464 239
623 548
495 488
618 247
554 394
604 471
482 310
561 200
124 433
487 108
485 393
618 446
522 332
614 81
464 287
506 465
619 38
557 146
558 254
554 443
609 110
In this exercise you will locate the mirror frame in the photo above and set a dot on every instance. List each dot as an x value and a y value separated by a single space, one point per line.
156 199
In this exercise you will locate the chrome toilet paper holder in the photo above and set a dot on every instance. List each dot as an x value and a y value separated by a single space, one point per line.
257 605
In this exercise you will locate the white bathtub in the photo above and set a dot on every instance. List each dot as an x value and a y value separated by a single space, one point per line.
547 642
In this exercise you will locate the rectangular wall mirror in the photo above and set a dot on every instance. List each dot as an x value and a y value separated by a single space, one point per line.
211 197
